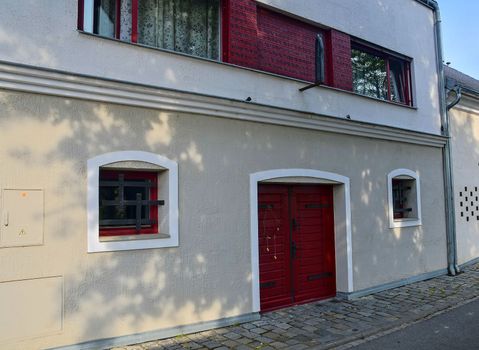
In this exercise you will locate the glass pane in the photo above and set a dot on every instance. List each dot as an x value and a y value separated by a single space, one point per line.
404 198
104 21
398 83
125 212
369 74
188 26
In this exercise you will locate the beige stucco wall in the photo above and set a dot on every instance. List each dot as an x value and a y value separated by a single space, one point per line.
45 143
464 119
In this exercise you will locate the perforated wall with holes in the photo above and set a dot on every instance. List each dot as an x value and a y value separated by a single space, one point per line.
469 203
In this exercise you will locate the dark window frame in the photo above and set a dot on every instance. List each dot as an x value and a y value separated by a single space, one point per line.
130 230
388 56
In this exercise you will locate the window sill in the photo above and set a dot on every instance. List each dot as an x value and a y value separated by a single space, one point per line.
406 223
371 98
118 243
134 237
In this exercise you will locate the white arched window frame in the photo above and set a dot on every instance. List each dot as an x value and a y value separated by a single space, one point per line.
404 174
168 239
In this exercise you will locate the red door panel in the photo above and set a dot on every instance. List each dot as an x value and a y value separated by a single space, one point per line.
296 244
313 236
274 257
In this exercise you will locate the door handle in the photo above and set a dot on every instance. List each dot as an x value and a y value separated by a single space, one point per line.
294 248
295 224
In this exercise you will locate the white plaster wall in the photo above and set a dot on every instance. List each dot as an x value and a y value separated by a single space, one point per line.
49 39
465 155
46 142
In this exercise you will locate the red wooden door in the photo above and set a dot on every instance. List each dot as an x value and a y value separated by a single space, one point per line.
296 244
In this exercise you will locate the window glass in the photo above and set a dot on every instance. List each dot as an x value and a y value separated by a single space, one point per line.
369 74
121 215
404 198
105 18
380 75
128 202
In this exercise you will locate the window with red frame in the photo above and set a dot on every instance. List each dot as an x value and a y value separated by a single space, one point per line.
191 27
128 202
381 75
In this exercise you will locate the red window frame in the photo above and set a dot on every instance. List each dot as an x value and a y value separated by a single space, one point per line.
133 175
407 88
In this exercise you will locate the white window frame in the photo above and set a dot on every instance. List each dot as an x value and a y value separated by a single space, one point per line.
171 238
406 222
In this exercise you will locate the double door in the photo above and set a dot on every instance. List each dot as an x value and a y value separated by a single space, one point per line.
296 244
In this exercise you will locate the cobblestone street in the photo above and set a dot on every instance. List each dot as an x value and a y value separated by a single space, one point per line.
334 323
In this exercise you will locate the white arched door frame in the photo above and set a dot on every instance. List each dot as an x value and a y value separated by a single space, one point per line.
343 229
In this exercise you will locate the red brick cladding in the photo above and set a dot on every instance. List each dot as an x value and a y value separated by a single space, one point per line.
286 46
240 32
258 38
340 71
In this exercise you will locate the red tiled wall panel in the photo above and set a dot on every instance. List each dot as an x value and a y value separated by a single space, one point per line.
340 68
240 33
286 46
258 38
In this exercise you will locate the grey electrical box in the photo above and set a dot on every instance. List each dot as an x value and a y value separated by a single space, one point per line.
22 218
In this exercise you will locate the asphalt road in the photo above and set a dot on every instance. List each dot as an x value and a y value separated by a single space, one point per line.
454 330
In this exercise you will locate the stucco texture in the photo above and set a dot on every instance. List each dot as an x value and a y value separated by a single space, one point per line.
46 142
464 125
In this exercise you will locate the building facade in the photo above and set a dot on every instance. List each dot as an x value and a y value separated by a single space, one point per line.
163 169
463 113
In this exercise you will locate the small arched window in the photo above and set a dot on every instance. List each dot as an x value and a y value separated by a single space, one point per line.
404 198
132 201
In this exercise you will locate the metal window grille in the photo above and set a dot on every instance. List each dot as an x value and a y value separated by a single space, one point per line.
121 202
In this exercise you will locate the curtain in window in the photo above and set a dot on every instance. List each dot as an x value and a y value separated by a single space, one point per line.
397 73
188 26
125 20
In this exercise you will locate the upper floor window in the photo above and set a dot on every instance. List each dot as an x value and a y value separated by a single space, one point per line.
191 27
381 75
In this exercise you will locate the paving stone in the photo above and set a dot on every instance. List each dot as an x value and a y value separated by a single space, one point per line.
258 330
323 323
279 345
232 335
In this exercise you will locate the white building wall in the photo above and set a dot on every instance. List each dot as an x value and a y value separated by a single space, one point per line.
464 119
49 39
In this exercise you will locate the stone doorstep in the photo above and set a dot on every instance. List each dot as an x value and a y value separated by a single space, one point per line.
392 327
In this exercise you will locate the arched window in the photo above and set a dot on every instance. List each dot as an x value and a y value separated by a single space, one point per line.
132 201
404 198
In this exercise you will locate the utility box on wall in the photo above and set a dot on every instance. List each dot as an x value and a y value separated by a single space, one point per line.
22 218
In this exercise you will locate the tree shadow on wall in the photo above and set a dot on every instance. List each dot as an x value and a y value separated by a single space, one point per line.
46 141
